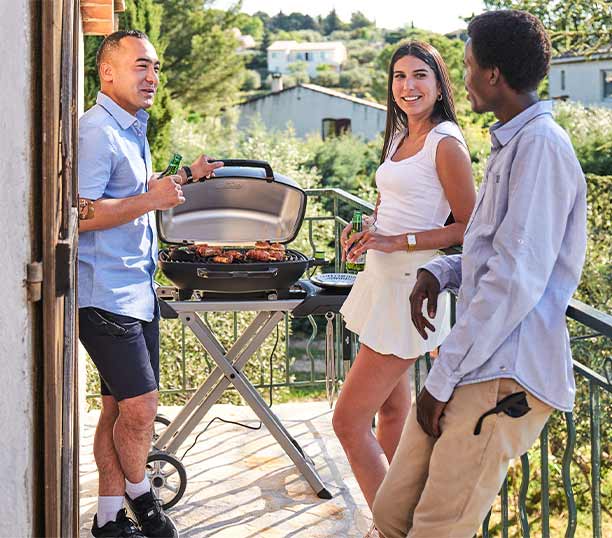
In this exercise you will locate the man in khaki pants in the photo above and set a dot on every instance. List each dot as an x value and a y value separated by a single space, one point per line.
507 362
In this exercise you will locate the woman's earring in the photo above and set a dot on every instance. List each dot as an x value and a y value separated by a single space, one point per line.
440 97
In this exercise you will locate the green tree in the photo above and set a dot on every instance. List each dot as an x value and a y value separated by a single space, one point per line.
359 20
203 66
579 26
299 71
331 23
291 22
91 85
249 25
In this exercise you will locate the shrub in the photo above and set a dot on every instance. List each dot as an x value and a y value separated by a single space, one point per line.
359 77
252 80
590 129
327 78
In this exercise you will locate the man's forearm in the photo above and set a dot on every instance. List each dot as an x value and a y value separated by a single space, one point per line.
112 212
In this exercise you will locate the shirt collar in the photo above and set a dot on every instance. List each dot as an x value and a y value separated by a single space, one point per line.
502 133
123 117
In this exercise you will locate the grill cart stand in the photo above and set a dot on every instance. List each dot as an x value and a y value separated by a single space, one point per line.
229 365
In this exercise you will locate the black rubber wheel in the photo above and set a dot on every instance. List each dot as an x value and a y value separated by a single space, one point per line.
324 494
168 478
185 295
160 423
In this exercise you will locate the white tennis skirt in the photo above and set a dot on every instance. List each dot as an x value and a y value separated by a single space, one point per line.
378 307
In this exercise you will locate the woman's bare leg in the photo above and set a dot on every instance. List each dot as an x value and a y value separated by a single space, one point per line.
392 415
370 383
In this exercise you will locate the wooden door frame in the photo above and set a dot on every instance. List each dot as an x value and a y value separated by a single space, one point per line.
59 53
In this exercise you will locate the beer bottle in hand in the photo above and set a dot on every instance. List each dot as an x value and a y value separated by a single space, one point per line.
359 263
173 167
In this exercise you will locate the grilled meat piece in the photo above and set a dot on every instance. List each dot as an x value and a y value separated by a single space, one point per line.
235 254
277 255
262 245
258 255
206 251
277 247
181 254
224 258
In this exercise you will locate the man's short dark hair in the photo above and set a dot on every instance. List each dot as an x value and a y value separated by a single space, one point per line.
111 42
515 42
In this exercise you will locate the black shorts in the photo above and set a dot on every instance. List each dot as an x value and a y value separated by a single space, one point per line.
124 349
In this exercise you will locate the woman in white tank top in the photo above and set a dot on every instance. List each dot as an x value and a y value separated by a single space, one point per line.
425 173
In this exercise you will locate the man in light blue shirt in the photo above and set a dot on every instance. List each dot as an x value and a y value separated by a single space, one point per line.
507 362
118 314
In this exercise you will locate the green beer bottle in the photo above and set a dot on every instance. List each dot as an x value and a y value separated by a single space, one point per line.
173 167
359 263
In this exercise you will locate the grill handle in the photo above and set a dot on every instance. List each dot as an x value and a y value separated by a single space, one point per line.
266 273
249 163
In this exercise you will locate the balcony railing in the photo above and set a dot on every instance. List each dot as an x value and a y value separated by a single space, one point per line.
594 392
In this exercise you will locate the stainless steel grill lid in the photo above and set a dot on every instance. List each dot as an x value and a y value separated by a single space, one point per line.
245 202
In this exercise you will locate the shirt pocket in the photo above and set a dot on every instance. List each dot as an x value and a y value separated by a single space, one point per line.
495 202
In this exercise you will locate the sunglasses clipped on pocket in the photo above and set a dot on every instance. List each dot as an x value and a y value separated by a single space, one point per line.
514 406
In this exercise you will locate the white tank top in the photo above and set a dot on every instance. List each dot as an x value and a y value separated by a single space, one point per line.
411 196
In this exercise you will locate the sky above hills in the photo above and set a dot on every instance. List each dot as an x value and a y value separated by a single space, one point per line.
436 15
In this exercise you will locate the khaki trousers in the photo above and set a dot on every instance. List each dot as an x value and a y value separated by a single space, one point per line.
443 488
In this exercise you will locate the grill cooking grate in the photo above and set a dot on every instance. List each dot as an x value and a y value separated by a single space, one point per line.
290 257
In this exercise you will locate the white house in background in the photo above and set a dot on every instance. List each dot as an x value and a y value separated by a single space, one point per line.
584 79
315 109
283 53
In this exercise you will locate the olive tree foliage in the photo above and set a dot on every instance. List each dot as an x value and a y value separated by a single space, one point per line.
204 69
579 26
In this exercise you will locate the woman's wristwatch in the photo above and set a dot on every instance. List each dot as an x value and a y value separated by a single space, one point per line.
411 242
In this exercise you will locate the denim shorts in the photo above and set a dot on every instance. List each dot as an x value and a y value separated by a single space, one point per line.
125 351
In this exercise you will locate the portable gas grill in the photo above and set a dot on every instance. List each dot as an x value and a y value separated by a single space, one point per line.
246 202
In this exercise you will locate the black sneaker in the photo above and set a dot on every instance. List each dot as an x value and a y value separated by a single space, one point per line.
150 516
123 526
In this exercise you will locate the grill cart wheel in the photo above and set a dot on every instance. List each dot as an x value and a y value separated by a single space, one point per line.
184 295
160 423
168 478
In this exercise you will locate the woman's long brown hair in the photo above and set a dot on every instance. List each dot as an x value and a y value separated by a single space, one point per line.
444 110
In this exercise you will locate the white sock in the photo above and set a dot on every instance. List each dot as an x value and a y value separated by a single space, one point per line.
136 490
108 508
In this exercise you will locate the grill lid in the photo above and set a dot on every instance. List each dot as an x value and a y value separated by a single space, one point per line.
244 202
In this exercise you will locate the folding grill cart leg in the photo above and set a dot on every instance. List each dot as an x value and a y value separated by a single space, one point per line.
258 405
182 425
257 332
209 341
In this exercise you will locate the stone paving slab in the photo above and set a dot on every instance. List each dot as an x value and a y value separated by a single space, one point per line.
241 484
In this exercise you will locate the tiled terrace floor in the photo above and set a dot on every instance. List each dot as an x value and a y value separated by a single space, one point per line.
240 483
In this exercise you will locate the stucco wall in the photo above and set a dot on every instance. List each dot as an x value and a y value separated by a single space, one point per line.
16 381
583 81
306 109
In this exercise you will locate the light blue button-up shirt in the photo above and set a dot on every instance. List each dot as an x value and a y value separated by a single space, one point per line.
116 266
522 257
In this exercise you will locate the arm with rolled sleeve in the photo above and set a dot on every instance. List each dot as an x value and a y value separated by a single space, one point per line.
447 270
541 195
